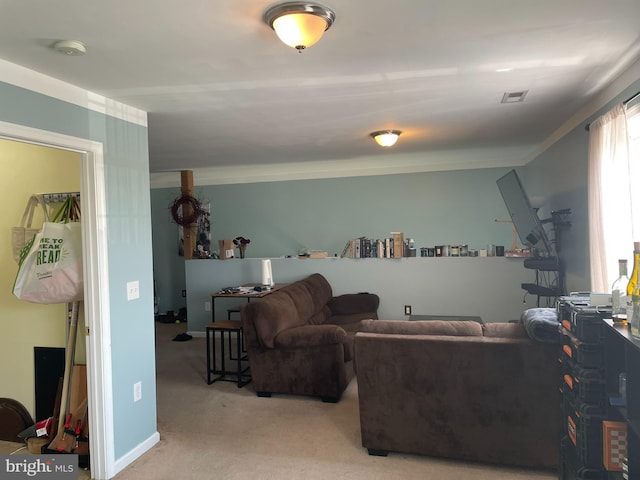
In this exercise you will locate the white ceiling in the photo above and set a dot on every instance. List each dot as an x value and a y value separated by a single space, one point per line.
222 90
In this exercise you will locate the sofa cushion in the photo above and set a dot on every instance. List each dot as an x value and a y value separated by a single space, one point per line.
272 316
320 290
320 317
423 327
351 318
351 329
504 330
302 299
310 336
350 303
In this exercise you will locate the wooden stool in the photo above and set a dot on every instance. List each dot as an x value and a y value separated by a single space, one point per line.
239 375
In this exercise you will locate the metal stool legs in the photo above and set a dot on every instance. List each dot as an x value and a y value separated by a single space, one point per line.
239 375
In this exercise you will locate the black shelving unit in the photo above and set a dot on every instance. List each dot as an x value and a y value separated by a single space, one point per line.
549 279
549 270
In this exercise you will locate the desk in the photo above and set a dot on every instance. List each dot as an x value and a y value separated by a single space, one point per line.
246 292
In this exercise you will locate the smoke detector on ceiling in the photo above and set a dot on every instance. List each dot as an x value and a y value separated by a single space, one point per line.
514 97
71 48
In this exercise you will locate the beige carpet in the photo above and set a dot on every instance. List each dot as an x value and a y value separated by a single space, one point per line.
221 432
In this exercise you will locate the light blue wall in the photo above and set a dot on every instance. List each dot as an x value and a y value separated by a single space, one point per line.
129 247
454 207
488 287
560 175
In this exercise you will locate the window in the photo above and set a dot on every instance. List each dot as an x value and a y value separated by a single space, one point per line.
614 192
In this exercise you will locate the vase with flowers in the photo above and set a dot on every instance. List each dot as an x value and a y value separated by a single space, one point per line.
241 243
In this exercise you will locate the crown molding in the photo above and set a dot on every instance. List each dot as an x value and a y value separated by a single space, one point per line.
583 116
22 77
463 159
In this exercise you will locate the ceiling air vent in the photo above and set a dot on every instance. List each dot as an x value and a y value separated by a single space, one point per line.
514 97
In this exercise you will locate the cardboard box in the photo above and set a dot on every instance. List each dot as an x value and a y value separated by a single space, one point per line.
226 249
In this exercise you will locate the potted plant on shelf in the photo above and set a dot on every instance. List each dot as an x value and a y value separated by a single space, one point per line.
241 243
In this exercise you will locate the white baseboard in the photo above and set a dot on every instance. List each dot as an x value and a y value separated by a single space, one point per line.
135 453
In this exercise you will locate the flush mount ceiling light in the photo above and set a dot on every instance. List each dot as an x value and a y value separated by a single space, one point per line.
386 138
299 24
72 48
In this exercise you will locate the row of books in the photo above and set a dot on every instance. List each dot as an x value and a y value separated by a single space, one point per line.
390 247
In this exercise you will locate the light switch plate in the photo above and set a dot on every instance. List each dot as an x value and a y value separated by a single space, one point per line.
133 290
137 391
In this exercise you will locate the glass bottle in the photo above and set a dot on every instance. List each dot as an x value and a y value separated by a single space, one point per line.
634 323
619 294
633 280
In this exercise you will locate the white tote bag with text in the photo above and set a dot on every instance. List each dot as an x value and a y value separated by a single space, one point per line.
51 266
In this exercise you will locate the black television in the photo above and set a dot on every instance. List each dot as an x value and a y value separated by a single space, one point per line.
524 217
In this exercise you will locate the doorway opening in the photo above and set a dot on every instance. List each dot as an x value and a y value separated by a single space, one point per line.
96 281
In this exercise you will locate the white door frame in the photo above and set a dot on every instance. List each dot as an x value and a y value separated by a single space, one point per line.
96 281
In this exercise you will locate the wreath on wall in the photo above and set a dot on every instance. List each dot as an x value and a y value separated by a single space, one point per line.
177 210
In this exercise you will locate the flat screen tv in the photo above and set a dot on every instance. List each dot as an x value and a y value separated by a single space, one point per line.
524 217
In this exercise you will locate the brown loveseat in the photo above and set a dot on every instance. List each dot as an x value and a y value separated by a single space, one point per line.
459 390
300 338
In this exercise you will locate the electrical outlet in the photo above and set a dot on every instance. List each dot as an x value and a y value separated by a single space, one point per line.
133 290
407 309
137 391
207 306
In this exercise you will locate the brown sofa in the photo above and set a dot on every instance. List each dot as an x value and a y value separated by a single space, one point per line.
459 390
300 338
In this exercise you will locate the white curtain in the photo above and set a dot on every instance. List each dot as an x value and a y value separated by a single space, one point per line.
611 198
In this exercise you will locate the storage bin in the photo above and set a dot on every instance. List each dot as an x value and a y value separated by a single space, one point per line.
572 469
585 434
586 355
584 322
584 385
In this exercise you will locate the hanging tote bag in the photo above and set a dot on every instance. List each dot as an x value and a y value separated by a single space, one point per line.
50 268
26 231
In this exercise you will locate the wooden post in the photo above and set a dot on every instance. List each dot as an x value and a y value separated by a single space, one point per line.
189 231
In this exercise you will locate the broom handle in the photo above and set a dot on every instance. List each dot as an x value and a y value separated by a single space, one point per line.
69 357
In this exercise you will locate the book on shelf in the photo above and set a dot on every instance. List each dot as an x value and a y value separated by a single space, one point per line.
318 254
398 244
357 246
364 247
345 250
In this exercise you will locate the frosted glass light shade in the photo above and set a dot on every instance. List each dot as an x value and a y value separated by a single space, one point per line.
299 24
386 138
299 30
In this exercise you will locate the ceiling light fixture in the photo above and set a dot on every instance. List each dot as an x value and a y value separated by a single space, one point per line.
386 138
72 48
299 24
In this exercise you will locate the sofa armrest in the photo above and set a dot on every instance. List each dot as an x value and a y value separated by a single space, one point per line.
310 336
351 303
